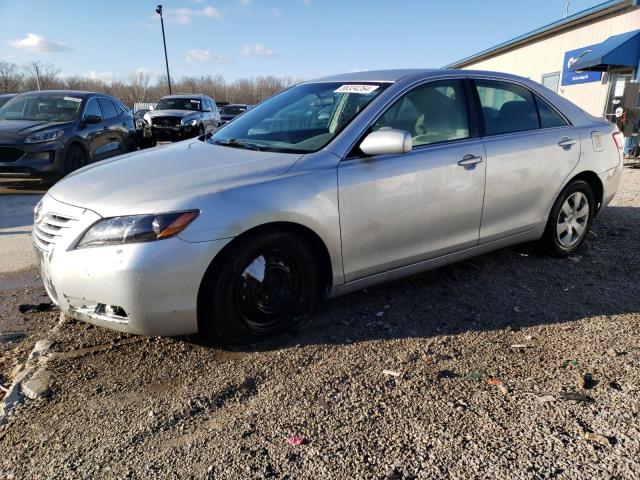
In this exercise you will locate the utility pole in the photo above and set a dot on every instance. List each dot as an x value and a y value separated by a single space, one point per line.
164 42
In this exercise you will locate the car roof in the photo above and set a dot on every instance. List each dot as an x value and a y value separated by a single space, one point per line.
75 93
415 74
185 95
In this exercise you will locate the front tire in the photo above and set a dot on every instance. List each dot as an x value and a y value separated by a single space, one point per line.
74 159
265 286
570 219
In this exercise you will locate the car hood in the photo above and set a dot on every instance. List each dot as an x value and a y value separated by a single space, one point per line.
164 178
170 113
10 130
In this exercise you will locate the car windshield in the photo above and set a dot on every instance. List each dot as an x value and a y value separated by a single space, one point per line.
233 110
179 104
301 119
47 108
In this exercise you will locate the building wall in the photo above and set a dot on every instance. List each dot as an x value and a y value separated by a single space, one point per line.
546 56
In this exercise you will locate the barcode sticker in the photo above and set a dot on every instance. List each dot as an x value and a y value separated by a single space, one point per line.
356 89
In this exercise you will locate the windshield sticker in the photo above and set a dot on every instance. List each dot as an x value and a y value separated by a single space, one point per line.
356 89
195 101
73 99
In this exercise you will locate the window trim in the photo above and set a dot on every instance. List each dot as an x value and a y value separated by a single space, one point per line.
104 116
535 96
86 105
471 108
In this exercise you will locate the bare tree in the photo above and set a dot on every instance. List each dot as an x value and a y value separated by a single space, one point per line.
41 75
138 86
10 77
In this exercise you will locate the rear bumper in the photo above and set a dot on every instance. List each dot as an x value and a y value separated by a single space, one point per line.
610 183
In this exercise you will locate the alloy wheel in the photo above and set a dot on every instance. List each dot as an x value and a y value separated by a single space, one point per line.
573 219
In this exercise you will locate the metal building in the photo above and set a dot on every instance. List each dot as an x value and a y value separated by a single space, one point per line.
592 58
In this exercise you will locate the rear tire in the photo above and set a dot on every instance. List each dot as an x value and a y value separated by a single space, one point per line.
74 159
570 219
265 286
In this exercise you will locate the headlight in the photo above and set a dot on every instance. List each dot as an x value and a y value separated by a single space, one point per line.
136 228
46 136
190 123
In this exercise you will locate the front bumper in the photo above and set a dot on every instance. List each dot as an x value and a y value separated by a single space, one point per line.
172 133
141 288
40 160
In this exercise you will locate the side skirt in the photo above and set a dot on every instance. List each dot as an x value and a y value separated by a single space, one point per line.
397 273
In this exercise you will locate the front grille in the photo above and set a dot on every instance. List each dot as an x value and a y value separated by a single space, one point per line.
10 154
48 230
166 121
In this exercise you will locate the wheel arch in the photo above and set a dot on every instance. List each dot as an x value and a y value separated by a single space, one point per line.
595 183
304 233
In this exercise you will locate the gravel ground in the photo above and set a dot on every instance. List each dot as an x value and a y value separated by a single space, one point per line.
457 400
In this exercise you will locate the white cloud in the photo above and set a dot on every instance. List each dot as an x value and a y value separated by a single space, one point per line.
205 56
257 50
107 77
197 55
211 12
276 12
38 44
184 16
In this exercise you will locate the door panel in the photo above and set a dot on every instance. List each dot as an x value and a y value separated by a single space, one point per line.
524 172
396 210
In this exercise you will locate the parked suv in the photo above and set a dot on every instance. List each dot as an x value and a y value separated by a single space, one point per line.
177 117
48 134
229 112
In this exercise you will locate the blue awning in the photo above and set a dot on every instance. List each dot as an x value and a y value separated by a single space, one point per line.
618 51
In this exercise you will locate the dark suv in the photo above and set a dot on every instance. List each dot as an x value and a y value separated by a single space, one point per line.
177 117
48 134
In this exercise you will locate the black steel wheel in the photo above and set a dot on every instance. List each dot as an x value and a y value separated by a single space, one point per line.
266 285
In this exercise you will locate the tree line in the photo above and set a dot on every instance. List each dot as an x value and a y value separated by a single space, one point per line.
138 87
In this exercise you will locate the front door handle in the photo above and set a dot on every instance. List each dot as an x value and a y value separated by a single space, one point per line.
469 159
566 142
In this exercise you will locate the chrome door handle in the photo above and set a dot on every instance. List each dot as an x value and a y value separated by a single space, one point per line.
566 142
469 159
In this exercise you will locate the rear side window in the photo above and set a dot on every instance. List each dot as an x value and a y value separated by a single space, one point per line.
506 107
432 113
93 108
549 118
108 108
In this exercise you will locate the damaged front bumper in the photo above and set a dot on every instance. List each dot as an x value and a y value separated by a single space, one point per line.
140 288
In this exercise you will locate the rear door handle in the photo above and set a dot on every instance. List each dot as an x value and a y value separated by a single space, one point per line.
566 142
469 159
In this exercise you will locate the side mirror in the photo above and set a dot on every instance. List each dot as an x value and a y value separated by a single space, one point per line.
382 142
92 119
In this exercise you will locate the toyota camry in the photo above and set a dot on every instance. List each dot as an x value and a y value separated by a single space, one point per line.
327 187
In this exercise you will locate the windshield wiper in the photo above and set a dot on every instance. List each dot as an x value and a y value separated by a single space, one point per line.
234 142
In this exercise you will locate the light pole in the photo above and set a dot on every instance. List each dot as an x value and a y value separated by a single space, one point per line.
164 42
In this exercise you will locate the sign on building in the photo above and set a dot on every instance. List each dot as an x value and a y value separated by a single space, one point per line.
570 77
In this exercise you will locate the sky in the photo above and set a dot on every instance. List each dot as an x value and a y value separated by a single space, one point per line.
302 39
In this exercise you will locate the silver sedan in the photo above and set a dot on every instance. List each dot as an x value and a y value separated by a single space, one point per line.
327 187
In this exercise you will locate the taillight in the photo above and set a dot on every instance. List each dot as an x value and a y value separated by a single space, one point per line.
618 139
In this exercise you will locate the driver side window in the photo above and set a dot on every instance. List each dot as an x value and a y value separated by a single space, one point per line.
432 113
92 109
